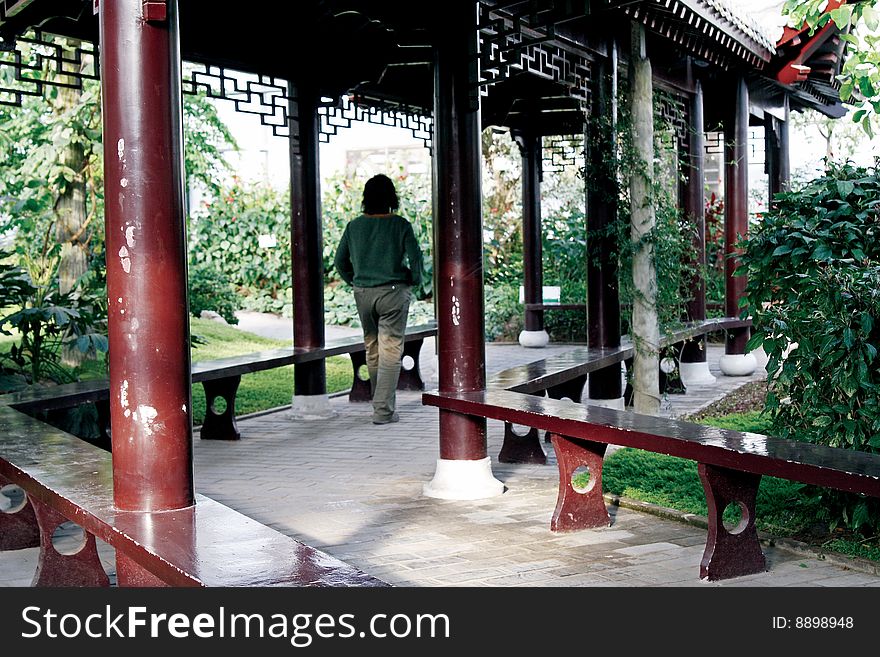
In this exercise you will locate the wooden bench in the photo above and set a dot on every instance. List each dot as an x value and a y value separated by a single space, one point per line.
208 544
730 465
220 379
564 375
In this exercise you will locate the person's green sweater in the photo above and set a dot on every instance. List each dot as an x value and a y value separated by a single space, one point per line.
373 250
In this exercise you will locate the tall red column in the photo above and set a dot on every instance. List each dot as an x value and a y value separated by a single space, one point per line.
736 226
463 470
150 400
693 366
604 387
310 380
530 148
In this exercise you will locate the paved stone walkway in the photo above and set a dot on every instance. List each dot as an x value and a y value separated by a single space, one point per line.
354 489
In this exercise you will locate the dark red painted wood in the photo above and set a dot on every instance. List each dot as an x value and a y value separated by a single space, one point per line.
735 552
207 544
220 425
695 212
533 267
307 245
459 277
18 527
736 207
603 298
522 448
784 182
82 568
220 377
562 369
148 315
579 509
842 469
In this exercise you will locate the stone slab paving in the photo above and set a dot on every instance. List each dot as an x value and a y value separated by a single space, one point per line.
354 490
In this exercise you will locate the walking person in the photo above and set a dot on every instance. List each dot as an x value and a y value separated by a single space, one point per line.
380 258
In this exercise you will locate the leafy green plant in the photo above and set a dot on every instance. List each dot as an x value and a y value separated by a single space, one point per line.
210 289
45 319
225 235
813 292
504 313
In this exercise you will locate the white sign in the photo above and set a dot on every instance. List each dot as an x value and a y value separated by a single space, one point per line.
551 294
267 241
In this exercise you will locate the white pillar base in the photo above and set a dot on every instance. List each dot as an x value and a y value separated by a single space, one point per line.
534 338
463 480
696 374
311 407
738 364
618 404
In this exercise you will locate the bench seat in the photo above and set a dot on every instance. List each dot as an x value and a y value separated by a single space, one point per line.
208 544
221 378
730 464
564 375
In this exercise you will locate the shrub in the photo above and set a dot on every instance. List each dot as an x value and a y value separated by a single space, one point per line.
814 295
210 289
504 313
225 236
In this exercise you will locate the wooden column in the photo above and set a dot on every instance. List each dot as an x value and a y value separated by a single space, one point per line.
533 274
736 216
694 200
148 314
463 470
785 150
310 380
603 300
777 153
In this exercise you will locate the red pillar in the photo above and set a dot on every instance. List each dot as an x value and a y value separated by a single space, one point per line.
533 274
150 401
603 298
310 380
694 199
736 225
463 470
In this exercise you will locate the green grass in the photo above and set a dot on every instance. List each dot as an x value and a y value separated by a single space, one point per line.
784 508
259 391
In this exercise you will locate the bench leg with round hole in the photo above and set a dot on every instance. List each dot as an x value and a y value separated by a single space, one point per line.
360 384
219 421
411 376
581 507
81 567
521 448
18 524
735 551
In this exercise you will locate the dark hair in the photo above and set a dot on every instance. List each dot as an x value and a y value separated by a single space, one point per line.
379 195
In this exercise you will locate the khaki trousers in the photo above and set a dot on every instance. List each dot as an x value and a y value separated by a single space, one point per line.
383 311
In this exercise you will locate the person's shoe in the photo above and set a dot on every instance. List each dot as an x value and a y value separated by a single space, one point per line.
394 417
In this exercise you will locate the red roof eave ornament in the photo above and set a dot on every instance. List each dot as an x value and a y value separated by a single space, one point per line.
794 70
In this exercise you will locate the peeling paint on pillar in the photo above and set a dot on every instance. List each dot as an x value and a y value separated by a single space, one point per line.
146 279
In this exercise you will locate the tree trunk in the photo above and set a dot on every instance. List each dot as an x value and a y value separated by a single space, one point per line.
645 329
70 216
